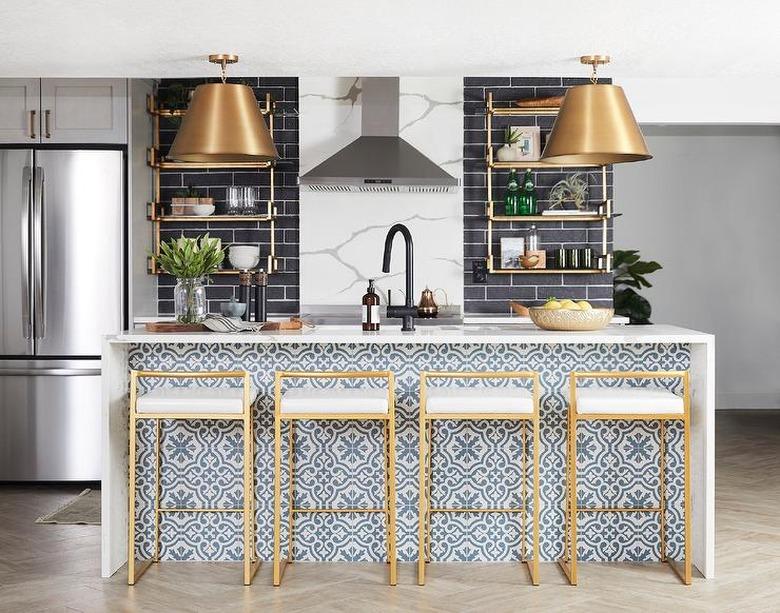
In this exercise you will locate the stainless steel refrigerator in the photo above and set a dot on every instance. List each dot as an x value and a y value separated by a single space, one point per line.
61 289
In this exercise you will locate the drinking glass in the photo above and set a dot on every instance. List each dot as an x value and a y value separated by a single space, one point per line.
249 200
234 200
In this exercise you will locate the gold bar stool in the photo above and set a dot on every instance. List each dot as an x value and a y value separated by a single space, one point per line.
630 404
230 403
333 404
471 403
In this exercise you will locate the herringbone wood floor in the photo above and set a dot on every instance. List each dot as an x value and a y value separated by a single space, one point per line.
56 568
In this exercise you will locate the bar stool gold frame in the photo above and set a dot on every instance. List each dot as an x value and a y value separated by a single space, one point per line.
250 562
426 453
389 455
569 562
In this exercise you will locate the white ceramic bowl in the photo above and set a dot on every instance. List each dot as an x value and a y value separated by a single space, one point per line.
244 257
202 210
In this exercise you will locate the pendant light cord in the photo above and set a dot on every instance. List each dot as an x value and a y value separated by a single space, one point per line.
223 65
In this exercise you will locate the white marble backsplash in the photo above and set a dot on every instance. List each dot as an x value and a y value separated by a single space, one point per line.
342 235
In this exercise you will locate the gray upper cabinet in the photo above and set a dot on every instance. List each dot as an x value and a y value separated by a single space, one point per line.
70 111
83 111
20 118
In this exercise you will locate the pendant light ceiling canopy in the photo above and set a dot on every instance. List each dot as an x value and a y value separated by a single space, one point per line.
595 125
223 124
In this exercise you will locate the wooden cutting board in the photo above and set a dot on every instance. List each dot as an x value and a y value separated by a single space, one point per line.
173 326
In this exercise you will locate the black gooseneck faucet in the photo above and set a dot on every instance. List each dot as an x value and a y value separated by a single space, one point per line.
408 311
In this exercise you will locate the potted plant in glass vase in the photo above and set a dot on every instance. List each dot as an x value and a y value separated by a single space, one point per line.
190 260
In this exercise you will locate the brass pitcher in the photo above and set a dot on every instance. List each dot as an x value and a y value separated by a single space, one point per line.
427 309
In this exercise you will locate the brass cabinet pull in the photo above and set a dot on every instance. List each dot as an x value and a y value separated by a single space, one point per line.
32 124
46 116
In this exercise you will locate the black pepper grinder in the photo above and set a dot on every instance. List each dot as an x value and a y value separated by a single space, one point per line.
244 283
261 299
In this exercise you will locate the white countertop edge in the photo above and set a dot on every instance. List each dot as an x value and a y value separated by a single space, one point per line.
487 334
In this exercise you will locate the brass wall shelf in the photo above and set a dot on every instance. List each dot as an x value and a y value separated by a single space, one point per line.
515 111
231 271
154 208
496 165
605 212
153 109
155 161
212 218
549 271
603 216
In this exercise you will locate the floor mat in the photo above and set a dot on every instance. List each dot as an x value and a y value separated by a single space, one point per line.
83 509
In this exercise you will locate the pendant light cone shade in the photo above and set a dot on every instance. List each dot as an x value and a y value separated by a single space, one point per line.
223 124
595 126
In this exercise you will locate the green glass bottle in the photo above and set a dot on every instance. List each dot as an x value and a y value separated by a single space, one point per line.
512 196
527 198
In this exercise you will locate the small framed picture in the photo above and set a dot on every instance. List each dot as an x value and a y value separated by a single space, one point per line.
512 249
527 143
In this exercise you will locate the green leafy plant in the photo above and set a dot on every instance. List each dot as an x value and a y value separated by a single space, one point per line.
187 192
174 96
511 135
190 258
630 271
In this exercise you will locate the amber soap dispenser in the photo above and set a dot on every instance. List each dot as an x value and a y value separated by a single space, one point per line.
370 309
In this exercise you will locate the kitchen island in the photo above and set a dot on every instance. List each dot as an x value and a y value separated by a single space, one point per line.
476 464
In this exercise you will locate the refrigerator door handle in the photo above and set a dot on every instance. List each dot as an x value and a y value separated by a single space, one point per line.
49 372
39 256
26 190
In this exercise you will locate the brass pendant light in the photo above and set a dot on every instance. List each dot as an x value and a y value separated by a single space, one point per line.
595 125
223 124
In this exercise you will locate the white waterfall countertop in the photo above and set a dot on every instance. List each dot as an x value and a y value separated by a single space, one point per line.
116 366
513 333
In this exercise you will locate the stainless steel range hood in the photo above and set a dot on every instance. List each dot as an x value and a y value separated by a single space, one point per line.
379 160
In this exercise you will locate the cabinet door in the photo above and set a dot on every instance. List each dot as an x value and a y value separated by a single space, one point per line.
83 111
20 117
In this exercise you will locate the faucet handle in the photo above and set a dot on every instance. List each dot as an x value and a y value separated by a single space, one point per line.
389 298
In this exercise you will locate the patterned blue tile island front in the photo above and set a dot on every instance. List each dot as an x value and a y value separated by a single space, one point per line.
475 464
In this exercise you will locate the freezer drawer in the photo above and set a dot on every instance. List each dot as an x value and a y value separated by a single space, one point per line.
49 420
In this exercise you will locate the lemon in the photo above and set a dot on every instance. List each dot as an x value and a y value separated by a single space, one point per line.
584 305
552 305
569 305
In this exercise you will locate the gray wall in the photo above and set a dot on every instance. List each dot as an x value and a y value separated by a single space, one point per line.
142 286
707 207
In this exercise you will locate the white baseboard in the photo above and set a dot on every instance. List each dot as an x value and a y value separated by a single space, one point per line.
748 401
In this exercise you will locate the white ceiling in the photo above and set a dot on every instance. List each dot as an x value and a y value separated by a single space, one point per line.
168 38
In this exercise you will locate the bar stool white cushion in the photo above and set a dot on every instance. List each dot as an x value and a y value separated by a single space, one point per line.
630 400
479 400
314 400
227 400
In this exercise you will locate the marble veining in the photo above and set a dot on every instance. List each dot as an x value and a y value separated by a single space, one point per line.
360 277
342 234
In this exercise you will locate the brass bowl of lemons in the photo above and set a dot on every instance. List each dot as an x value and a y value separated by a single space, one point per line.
570 316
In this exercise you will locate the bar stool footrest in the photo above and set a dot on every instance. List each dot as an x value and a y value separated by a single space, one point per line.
618 510
340 510
197 510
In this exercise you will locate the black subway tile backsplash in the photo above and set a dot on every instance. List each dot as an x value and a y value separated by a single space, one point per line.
530 289
283 288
